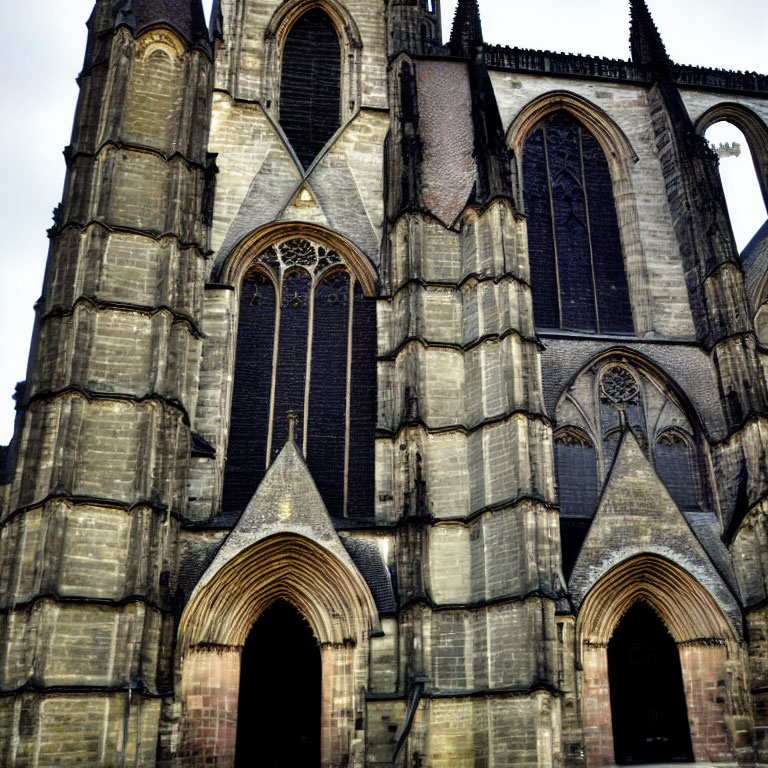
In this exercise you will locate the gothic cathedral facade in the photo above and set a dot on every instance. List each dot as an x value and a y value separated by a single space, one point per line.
390 404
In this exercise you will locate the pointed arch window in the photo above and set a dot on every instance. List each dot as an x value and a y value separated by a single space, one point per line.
577 266
310 84
675 464
307 343
617 397
576 465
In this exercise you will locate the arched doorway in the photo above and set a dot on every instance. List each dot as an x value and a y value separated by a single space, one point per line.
278 716
285 623
650 599
648 709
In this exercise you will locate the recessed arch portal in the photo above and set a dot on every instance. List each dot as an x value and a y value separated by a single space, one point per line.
231 598
705 642
279 706
650 719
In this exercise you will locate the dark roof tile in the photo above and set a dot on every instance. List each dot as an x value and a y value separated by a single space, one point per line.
365 555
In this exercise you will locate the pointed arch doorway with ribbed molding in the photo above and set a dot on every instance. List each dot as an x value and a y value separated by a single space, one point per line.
283 601
669 613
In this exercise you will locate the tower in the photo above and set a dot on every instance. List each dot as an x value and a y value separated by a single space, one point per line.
384 396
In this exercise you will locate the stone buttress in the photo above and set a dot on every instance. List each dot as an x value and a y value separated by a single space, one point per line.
88 541
464 437
724 328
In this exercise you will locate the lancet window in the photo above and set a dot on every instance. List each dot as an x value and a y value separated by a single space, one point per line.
310 84
576 462
577 266
306 343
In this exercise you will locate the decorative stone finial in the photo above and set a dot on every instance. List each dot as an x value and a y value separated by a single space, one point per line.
293 421
645 41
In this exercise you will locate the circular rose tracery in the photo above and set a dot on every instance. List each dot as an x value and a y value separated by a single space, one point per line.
619 385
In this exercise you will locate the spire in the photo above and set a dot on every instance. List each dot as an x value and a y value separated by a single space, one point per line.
216 24
467 32
492 155
645 41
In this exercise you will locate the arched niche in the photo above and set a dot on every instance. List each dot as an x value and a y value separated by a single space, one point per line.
754 129
708 645
325 589
350 39
620 156
154 92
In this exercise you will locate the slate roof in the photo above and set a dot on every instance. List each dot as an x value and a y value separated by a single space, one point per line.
365 555
754 259
186 16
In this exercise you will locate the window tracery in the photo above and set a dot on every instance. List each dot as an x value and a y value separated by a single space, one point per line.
606 400
306 343
577 266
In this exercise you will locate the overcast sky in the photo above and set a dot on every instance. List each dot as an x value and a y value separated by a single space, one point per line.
42 53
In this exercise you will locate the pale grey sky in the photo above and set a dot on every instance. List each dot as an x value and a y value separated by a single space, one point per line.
43 51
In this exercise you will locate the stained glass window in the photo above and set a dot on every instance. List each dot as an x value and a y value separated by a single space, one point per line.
577 267
674 463
576 465
306 342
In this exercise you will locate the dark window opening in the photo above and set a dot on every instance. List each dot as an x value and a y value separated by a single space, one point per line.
279 702
577 267
576 466
650 717
674 463
310 85
250 416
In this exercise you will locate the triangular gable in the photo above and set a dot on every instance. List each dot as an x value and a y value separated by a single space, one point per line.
286 501
636 514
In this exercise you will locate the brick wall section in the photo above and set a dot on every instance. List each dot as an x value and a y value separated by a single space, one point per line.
703 670
211 680
596 707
